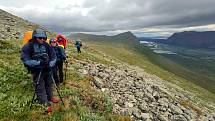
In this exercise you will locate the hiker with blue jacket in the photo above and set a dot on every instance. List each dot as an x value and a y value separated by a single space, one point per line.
61 57
39 57
78 45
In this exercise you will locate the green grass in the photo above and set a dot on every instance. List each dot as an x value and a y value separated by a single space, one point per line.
198 65
82 102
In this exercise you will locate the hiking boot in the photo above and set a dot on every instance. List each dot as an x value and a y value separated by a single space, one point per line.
49 109
54 100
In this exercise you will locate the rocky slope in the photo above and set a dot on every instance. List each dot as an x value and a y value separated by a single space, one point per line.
144 96
13 27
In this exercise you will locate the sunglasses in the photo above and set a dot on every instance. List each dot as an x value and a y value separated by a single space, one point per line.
44 38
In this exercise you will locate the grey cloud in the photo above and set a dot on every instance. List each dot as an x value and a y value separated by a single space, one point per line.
116 15
145 13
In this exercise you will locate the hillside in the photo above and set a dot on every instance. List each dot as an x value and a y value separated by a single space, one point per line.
13 27
153 63
111 80
193 39
161 61
98 87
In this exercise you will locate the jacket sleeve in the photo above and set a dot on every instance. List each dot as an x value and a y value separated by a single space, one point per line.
53 57
26 58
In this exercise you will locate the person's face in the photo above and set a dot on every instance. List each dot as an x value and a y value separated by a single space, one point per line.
59 39
41 40
53 44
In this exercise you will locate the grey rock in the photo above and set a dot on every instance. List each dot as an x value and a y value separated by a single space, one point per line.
145 116
139 94
128 105
136 112
102 75
131 98
126 112
175 109
163 102
143 107
211 117
162 118
187 117
150 97
85 72
156 95
178 118
120 102
98 83
149 89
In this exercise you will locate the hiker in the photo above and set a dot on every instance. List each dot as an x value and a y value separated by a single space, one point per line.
61 57
39 58
62 41
78 45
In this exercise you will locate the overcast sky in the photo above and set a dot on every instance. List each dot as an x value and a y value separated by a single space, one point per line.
142 17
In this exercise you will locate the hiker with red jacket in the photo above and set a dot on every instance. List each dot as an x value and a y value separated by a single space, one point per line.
62 43
61 57
39 58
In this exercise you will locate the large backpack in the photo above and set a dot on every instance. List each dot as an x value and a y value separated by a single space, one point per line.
28 36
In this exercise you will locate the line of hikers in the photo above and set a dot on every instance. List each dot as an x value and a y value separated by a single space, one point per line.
45 62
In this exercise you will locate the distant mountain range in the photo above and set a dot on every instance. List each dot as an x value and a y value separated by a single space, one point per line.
186 39
125 38
193 39
189 39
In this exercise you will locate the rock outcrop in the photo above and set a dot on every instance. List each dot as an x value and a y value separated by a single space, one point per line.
13 27
142 96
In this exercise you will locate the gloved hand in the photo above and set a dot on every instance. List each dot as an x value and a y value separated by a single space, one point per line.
44 63
51 64
65 61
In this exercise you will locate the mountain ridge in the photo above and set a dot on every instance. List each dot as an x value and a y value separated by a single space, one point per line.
192 39
195 39
126 38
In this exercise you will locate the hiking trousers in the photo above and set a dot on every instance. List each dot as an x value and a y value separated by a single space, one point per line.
60 70
55 75
43 89
79 49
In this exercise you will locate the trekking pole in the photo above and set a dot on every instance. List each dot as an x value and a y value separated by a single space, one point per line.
57 89
36 88
66 63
